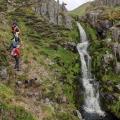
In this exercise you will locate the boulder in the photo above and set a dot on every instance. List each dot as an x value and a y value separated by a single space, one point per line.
106 24
3 73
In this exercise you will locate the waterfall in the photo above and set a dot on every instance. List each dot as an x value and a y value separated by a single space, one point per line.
91 95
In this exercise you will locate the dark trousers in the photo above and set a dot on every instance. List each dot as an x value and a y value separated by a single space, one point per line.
17 62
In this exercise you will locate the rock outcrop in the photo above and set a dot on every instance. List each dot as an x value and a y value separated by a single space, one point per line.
3 73
54 12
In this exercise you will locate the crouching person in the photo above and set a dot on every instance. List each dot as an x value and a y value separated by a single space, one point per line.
16 54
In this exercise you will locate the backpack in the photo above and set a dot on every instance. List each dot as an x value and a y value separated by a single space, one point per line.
15 43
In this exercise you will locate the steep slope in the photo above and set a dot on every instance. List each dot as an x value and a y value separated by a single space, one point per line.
48 55
81 10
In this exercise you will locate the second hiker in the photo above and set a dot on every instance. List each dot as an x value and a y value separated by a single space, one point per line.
15 53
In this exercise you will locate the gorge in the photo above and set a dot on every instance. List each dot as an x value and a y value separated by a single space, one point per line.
91 104
91 109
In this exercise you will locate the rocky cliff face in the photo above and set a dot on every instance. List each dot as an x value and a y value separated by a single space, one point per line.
108 2
54 12
102 24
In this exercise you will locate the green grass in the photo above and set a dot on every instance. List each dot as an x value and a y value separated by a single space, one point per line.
80 11
9 112
116 108
6 92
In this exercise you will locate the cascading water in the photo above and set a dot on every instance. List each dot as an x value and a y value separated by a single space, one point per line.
91 104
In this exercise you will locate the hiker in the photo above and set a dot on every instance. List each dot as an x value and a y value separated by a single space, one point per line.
15 30
14 43
16 54
13 26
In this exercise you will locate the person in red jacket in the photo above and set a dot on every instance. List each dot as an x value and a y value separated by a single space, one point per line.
16 54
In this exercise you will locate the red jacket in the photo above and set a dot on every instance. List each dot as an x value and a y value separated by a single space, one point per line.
15 52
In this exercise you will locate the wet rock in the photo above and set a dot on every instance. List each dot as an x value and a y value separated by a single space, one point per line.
4 73
70 46
108 97
77 113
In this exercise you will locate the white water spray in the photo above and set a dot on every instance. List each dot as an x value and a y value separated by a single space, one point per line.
91 104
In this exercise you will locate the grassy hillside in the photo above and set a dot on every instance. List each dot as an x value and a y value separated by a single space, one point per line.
45 57
81 10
